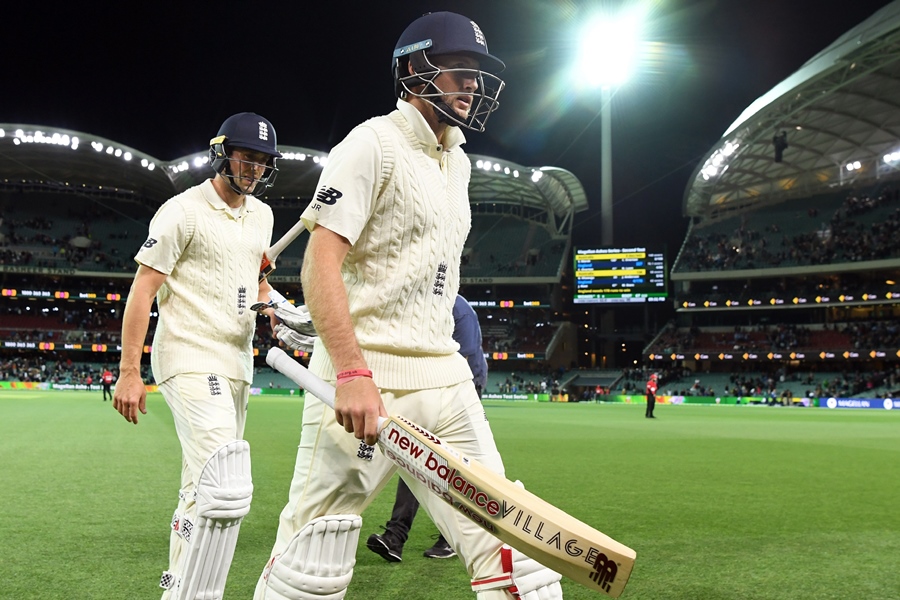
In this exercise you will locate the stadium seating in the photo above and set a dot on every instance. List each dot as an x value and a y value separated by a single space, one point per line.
836 227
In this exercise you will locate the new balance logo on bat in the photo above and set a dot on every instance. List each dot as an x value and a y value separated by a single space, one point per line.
604 571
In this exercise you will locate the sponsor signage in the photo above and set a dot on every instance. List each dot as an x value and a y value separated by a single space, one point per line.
743 356
800 300
877 403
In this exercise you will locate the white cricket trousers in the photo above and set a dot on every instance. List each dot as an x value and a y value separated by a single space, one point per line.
331 479
209 411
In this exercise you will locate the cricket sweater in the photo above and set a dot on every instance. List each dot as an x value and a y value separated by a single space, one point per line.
212 258
404 207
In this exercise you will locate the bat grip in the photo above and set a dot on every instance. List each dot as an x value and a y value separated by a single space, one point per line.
324 391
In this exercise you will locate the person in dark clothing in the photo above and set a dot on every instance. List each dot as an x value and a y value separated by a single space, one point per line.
651 396
389 545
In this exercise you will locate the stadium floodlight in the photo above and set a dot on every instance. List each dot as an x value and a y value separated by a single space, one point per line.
608 53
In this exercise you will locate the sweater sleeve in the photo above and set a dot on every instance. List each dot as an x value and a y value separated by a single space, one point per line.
348 186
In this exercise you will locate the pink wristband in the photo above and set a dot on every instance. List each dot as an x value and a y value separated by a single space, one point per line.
346 376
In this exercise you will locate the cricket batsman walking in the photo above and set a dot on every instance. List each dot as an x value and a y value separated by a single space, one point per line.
380 276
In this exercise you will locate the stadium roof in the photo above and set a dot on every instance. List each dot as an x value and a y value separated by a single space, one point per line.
61 159
841 115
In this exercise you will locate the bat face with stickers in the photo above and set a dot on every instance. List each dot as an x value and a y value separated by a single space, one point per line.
529 524
275 250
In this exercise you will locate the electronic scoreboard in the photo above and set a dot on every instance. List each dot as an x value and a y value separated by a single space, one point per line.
619 275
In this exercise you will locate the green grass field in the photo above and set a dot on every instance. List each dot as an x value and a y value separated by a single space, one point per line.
720 503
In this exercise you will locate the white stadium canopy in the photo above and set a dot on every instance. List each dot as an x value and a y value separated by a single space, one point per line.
42 158
840 113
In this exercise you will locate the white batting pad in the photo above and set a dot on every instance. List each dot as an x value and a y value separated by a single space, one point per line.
525 579
531 580
318 561
224 493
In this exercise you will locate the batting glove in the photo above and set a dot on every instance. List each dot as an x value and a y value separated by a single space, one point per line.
295 317
294 339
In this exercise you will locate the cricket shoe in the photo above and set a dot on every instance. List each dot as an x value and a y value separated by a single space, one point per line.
386 546
441 549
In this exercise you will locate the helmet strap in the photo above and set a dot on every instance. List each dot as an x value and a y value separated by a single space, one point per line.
229 176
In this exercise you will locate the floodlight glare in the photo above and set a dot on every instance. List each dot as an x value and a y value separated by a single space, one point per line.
608 50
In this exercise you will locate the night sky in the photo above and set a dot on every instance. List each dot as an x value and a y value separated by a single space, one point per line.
161 78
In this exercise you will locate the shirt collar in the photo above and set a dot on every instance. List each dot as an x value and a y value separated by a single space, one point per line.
213 199
453 137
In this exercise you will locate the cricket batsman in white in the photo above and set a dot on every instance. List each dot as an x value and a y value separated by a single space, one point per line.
380 276
201 262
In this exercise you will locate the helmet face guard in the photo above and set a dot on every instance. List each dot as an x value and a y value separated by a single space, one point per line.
220 159
438 34
251 132
484 99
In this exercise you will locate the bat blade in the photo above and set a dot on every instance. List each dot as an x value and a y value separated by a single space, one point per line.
517 517
267 266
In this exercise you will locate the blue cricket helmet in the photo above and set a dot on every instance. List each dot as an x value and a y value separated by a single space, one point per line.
440 33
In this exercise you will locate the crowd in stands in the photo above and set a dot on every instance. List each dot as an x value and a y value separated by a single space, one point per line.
842 238
783 337
778 385
542 379
32 242
873 334
526 330
19 368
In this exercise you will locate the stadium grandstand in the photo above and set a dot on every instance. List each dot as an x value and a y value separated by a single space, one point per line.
74 207
787 283
788 280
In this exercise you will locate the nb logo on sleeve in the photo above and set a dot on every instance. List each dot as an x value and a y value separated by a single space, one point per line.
328 196
149 243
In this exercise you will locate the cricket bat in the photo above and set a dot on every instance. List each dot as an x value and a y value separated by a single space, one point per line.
275 250
517 517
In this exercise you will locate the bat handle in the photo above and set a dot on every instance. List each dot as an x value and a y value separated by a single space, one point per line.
324 391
